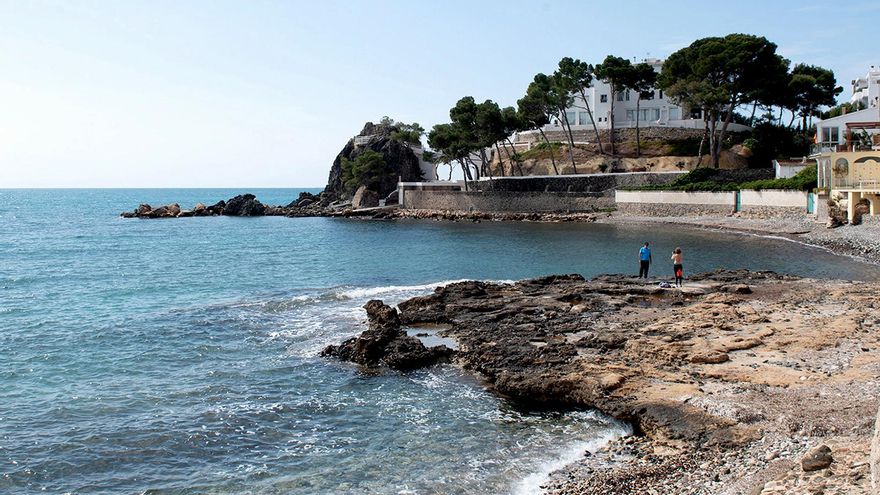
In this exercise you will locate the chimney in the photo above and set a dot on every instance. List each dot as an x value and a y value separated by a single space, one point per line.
843 110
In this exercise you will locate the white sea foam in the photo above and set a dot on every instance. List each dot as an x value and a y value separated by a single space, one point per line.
532 483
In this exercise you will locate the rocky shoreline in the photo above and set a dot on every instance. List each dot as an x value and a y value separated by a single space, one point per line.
741 382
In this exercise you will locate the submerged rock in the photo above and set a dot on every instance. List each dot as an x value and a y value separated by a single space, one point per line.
385 343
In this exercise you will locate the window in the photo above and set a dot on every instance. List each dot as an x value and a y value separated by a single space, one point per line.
627 95
647 114
620 96
649 95
630 115
831 134
569 117
674 113
603 98
661 94
583 118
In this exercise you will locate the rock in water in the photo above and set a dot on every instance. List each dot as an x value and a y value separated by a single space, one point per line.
817 458
385 343
244 205
875 456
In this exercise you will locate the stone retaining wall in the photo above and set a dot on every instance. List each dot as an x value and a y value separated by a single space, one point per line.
576 183
503 201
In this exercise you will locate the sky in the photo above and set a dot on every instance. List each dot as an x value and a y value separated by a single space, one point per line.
120 93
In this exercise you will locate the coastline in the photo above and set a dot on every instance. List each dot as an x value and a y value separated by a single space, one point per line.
730 383
861 242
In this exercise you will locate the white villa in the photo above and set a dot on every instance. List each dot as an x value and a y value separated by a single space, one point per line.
845 132
655 110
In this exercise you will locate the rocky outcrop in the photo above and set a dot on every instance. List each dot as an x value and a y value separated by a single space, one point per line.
403 164
244 205
730 387
386 343
364 198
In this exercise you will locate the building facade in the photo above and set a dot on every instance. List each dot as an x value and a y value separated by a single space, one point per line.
654 110
866 90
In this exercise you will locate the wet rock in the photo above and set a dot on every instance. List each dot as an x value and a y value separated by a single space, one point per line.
817 458
244 205
385 343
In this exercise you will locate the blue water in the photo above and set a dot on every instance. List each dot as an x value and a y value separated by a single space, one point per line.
180 356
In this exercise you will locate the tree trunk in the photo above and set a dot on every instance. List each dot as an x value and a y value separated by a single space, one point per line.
570 141
727 119
465 172
752 118
703 139
592 121
791 122
550 147
486 164
501 163
518 164
638 141
713 138
613 146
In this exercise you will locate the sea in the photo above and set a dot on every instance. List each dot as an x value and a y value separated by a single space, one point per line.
181 356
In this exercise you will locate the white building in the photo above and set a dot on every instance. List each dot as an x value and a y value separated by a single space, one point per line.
655 110
866 90
849 131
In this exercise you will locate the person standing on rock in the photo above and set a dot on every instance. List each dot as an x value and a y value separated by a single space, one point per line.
677 267
644 260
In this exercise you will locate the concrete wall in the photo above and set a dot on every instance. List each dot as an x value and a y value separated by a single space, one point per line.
767 203
503 201
675 203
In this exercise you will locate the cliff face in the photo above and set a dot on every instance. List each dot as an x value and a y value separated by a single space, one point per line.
376 137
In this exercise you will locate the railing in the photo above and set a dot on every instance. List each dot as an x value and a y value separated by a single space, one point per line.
362 140
846 183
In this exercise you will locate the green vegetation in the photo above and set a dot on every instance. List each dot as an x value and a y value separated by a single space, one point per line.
540 151
368 169
714 77
408 133
706 179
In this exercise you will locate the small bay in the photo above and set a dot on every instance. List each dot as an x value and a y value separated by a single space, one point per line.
181 356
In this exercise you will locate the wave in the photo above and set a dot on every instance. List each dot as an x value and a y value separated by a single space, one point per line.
532 483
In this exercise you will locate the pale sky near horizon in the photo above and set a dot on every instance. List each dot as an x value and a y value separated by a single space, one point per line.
265 94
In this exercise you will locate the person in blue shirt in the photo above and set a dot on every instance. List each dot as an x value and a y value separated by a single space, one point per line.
644 260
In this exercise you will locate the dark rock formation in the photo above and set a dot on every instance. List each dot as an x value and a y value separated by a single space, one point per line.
364 198
244 205
402 161
385 343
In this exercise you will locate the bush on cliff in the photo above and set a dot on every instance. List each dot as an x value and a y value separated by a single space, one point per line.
368 169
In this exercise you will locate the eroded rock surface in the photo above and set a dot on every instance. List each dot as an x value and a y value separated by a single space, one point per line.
386 343
732 379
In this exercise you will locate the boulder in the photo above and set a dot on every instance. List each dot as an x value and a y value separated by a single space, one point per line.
385 343
364 198
217 208
244 205
402 162
143 209
173 210
817 458
875 456
200 210
710 357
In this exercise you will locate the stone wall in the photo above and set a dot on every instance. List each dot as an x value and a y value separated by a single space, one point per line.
590 183
673 210
773 203
505 201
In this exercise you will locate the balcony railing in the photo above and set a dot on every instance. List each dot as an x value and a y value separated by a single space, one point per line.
847 183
